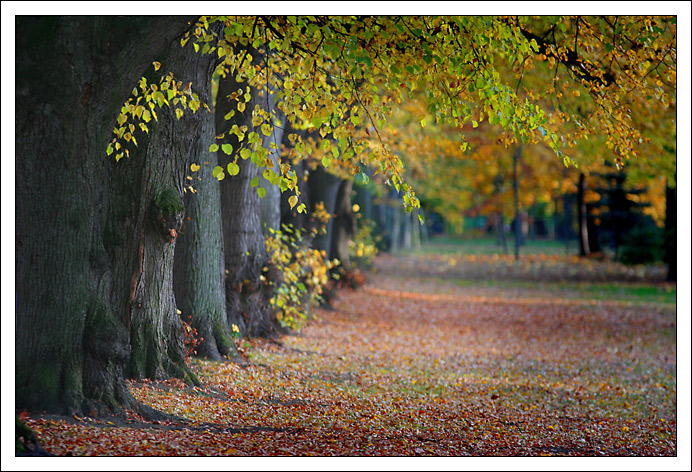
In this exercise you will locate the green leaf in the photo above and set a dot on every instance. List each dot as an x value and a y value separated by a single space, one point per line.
261 191
254 182
213 148
245 153
218 172
233 168
227 148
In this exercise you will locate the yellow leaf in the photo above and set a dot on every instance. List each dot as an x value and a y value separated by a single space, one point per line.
293 201
194 167
157 65
241 107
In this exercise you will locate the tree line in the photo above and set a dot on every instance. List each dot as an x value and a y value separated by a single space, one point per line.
195 173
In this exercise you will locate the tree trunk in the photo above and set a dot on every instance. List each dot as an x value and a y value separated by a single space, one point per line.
199 261
323 188
156 329
670 236
500 228
518 237
270 205
415 230
344 227
72 343
395 226
406 223
582 217
245 255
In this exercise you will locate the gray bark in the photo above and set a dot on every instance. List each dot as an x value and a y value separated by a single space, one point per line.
344 226
199 262
245 255
72 76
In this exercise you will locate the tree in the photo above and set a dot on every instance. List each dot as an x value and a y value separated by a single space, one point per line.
247 294
72 340
199 264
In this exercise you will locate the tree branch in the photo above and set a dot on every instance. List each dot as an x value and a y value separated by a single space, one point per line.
571 60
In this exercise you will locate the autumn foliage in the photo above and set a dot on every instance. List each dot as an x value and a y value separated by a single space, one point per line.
424 365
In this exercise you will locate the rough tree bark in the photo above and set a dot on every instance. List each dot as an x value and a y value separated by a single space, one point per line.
156 330
245 255
72 76
199 263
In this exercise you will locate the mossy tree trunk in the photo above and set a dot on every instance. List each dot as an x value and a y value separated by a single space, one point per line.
174 144
72 76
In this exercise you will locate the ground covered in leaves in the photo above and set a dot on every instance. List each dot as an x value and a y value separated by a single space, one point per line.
423 360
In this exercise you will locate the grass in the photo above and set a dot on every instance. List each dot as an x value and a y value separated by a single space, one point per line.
456 250
445 244
654 293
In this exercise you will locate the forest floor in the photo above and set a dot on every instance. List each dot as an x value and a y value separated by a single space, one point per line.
435 355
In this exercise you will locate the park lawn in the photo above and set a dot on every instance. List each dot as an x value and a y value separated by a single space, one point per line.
415 365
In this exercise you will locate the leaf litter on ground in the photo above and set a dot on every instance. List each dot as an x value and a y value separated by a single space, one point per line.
413 364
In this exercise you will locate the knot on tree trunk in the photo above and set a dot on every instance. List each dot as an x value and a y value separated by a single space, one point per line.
167 210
